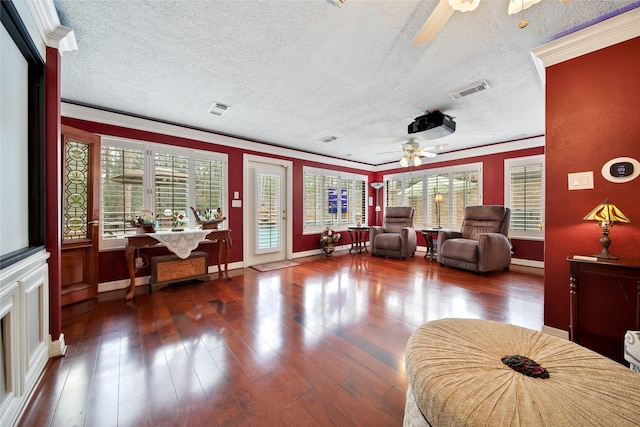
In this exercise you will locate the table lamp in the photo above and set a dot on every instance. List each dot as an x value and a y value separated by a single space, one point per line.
606 214
437 199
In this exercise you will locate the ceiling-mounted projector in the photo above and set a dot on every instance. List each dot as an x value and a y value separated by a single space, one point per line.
436 123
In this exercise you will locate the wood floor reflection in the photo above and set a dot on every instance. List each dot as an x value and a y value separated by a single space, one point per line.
318 344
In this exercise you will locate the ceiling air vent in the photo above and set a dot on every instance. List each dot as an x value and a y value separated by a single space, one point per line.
218 109
328 139
476 87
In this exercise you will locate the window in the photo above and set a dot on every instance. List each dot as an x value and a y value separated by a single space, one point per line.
332 198
524 194
457 186
165 180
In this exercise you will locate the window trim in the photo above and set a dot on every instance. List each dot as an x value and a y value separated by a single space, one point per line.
339 175
148 183
523 161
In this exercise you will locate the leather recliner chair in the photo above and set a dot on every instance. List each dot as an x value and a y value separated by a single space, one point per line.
396 238
482 245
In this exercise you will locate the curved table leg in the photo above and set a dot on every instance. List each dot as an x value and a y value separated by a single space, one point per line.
129 251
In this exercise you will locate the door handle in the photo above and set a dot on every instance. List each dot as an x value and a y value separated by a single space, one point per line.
94 222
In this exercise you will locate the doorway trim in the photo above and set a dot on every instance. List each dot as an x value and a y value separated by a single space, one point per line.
248 241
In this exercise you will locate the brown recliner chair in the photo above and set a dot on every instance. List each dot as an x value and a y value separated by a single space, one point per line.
482 245
396 238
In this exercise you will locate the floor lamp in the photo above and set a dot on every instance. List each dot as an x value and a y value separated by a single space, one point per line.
377 186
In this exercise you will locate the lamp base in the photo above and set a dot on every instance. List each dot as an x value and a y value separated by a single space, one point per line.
605 255
605 242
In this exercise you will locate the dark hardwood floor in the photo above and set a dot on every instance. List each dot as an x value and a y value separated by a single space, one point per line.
318 344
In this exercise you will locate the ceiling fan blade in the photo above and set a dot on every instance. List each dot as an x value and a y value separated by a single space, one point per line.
435 147
434 24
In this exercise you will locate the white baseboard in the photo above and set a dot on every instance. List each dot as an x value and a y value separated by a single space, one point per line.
58 347
560 333
527 263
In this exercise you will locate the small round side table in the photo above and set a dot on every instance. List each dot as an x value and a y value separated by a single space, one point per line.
431 238
359 235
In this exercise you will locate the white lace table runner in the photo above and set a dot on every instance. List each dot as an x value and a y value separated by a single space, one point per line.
181 243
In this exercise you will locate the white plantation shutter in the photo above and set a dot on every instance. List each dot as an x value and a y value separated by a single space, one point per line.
209 180
313 200
460 186
414 198
122 189
332 198
525 196
269 204
437 184
393 188
171 173
464 193
139 176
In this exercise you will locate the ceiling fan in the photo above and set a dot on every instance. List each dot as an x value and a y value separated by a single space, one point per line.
445 9
412 152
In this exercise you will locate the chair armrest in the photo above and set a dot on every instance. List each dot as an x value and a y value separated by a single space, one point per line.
444 235
409 240
494 251
373 232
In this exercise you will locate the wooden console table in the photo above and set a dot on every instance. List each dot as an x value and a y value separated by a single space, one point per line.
608 299
144 241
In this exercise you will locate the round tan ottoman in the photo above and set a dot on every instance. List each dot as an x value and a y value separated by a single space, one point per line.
456 378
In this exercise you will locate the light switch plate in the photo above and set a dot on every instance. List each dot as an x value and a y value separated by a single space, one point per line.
236 203
236 194
581 180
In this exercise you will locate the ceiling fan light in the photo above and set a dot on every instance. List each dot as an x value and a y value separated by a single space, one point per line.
417 161
464 5
404 162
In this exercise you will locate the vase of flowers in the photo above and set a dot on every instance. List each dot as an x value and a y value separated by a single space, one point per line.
145 222
328 241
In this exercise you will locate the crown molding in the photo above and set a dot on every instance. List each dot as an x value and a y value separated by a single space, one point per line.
52 32
617 29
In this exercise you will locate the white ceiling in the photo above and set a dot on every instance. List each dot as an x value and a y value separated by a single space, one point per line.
296 71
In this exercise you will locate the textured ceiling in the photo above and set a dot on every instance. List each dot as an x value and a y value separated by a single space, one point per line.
294 72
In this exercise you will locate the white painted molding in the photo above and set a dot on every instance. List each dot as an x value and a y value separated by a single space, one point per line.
58 347
527 263
617 29
560 333
48 23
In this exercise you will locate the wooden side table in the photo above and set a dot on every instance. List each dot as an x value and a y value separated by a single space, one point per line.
359 235
602 295
431 238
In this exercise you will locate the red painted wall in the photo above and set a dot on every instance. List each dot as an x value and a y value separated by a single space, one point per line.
592 116
52 188
112 262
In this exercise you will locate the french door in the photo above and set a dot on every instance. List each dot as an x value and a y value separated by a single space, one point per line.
267 198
